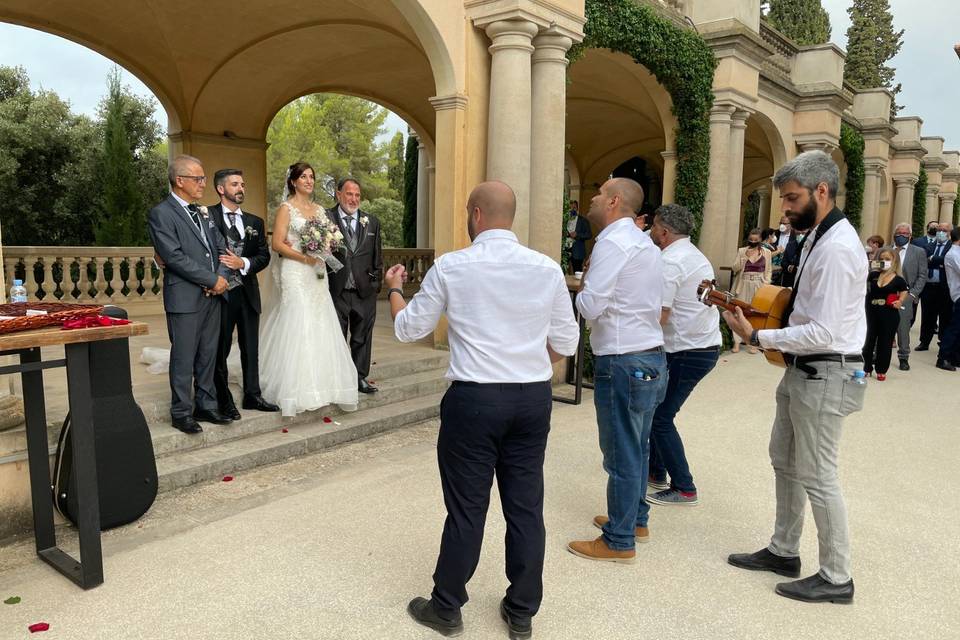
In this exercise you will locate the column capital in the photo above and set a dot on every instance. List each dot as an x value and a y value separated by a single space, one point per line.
764 190
906 181
667 155
722 113
551 47
453 101
511 34
739 118
948 197
933 190
873 169
826 147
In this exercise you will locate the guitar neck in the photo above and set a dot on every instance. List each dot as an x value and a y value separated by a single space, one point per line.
728 302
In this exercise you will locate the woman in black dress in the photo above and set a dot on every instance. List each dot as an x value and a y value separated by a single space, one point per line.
886 290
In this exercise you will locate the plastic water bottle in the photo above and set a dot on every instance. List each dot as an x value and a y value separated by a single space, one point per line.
860 377
18 292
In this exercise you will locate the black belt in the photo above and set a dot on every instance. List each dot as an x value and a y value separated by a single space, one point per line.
803 362
500 386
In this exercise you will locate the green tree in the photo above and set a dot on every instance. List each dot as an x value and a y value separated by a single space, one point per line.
920 205
390 214
337 135
852 145
956 212
395 163
122 207
803 21
410 172
871 43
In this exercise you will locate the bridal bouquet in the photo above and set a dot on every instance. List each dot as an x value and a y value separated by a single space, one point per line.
319 238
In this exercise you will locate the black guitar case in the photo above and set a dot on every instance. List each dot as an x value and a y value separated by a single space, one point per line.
126 467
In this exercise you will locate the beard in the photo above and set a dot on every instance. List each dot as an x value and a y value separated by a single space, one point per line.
236 198
349 209
806 218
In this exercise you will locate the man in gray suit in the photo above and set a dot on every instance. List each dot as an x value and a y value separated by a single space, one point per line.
189 247
913 263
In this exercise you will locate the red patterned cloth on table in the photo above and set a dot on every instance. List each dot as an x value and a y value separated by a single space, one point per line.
89 322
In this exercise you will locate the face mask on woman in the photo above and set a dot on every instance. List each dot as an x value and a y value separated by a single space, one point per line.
887 265
901 241
754 243
783 228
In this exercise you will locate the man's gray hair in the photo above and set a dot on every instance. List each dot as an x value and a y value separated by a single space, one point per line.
178 165
676 218
808 170
903 224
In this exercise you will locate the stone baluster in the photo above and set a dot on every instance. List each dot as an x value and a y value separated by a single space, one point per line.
10 266
100 281
149 278
116 282
49 286
30 279
66 281
83 280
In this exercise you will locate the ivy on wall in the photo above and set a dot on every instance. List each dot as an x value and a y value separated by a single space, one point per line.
683 63
852 146
920 205
956 212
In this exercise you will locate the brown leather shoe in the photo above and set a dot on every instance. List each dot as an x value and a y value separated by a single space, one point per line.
642 533
598 550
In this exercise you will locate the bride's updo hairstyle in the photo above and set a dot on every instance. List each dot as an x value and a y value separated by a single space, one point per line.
296 170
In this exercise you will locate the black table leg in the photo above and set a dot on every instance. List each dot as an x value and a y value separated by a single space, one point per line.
575 362
35 418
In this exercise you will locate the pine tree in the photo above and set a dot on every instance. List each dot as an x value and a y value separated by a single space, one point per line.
871 43
410 172
122 212
803 21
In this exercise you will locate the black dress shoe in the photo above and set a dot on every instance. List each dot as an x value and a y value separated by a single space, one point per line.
945 365
421 610
258 403
520 628
187 425
922 347
205 415
816 589
763 560
366 387
904 365
230 412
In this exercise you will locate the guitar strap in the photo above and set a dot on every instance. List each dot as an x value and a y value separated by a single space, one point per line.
832 218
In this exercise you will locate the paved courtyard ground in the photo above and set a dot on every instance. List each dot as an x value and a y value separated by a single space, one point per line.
334 545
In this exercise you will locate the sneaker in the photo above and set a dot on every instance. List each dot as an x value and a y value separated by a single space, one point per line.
641 534
598 550
657 485
904 365
674 497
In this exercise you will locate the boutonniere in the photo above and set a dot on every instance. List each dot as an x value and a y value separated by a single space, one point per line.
250 231
364 220
203 211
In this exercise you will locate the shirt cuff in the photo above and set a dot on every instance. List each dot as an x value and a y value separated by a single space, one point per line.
767 338
246 266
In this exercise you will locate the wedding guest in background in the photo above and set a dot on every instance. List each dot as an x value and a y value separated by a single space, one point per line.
509 317
578 231
949 356
189 247
754 267
886 291
874 243
248 254
913 265
771 242
935 305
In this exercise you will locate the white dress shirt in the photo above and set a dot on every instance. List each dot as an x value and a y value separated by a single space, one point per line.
692 324
951 263
783 240
828 313
349 220
622 291
239 227
939 249
504 303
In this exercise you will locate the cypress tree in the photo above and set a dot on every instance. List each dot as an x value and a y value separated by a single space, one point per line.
920 205
411 164
871 43
803 21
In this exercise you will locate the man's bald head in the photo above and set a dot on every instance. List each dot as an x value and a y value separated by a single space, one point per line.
617 198
491 205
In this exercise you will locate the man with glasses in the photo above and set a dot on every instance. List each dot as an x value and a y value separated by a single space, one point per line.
189 247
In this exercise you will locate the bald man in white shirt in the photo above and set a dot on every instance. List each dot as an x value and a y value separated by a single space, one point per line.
822 342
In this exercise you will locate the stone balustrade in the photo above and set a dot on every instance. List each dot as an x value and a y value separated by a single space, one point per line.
781 62
128 275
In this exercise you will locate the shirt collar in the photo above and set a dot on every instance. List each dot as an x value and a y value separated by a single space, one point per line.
227 212
622 222
495 234
678 244
183 203
344 214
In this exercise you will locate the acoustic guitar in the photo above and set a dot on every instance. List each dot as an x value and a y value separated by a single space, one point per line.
765 312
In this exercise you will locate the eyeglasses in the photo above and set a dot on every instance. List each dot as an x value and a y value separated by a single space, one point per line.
199 179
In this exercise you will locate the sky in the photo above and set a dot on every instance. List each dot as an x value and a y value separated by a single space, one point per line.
927 67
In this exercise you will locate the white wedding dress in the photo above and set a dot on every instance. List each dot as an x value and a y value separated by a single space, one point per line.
305 362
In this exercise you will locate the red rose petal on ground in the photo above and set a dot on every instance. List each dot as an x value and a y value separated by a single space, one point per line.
40 626
327 419
228 478
284 430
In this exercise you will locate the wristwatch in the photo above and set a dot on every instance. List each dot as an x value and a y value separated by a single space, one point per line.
754 339
391 290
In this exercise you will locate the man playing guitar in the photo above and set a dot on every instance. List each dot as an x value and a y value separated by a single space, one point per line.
821 339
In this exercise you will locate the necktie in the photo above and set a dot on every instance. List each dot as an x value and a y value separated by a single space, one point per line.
350 229
232 231
192 208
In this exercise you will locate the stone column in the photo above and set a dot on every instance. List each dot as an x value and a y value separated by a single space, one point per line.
871 200
432 204
903 200
946 207
547 137
714 211
669 176
423 198
509 120
933 205
763 220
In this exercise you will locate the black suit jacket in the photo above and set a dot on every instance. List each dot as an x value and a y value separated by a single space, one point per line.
366 263
790 261
935 263
255 249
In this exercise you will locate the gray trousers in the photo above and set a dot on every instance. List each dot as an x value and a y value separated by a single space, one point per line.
193 357
903 330
804 450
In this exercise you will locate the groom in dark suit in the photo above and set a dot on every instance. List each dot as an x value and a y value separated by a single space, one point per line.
247 254
354 288
189 247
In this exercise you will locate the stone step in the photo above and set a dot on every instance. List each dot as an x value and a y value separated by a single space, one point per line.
185 468
167 440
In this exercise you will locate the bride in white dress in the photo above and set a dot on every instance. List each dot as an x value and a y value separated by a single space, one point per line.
305 363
